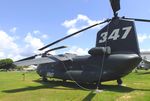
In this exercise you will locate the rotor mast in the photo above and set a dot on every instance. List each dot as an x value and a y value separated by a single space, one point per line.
115 4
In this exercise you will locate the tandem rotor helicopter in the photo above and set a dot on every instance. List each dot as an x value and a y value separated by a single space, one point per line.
115 55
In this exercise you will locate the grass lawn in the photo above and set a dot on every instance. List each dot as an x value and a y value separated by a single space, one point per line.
13 88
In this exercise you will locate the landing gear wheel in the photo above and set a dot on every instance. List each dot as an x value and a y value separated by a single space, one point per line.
44 79
119 81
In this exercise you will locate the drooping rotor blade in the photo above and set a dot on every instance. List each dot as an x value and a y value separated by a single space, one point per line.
135 19
42 60
28 58
115 4
55 49
73 34
34 61
33 57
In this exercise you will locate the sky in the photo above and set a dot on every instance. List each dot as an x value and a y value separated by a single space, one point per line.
27 25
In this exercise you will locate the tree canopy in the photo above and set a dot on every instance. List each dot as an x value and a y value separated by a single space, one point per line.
6 64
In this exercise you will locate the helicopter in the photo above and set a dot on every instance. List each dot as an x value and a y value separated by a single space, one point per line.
114 56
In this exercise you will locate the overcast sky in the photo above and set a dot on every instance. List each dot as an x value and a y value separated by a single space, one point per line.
27 25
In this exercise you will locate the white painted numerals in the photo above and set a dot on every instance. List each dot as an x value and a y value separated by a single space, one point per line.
115 34
127 31
104 37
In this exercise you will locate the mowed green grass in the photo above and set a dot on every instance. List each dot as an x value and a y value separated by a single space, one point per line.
13 88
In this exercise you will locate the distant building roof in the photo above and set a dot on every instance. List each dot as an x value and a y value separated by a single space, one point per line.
146 55
145 52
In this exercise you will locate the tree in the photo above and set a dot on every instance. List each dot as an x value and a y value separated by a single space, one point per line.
7 64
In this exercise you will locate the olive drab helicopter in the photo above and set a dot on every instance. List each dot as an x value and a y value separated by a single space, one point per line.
115 55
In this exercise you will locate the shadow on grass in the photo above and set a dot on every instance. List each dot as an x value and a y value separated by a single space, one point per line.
72 86
89 97
45 85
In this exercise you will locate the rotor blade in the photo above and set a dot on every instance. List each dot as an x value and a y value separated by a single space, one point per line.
73 34
32 57
115 4
55 49
28 58
34 61
42 60
142 20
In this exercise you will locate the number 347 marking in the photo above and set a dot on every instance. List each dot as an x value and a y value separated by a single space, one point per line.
115 34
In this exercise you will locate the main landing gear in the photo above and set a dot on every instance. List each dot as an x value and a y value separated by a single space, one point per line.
119 81
44 79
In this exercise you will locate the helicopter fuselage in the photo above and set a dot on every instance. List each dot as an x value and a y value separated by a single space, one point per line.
90 68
